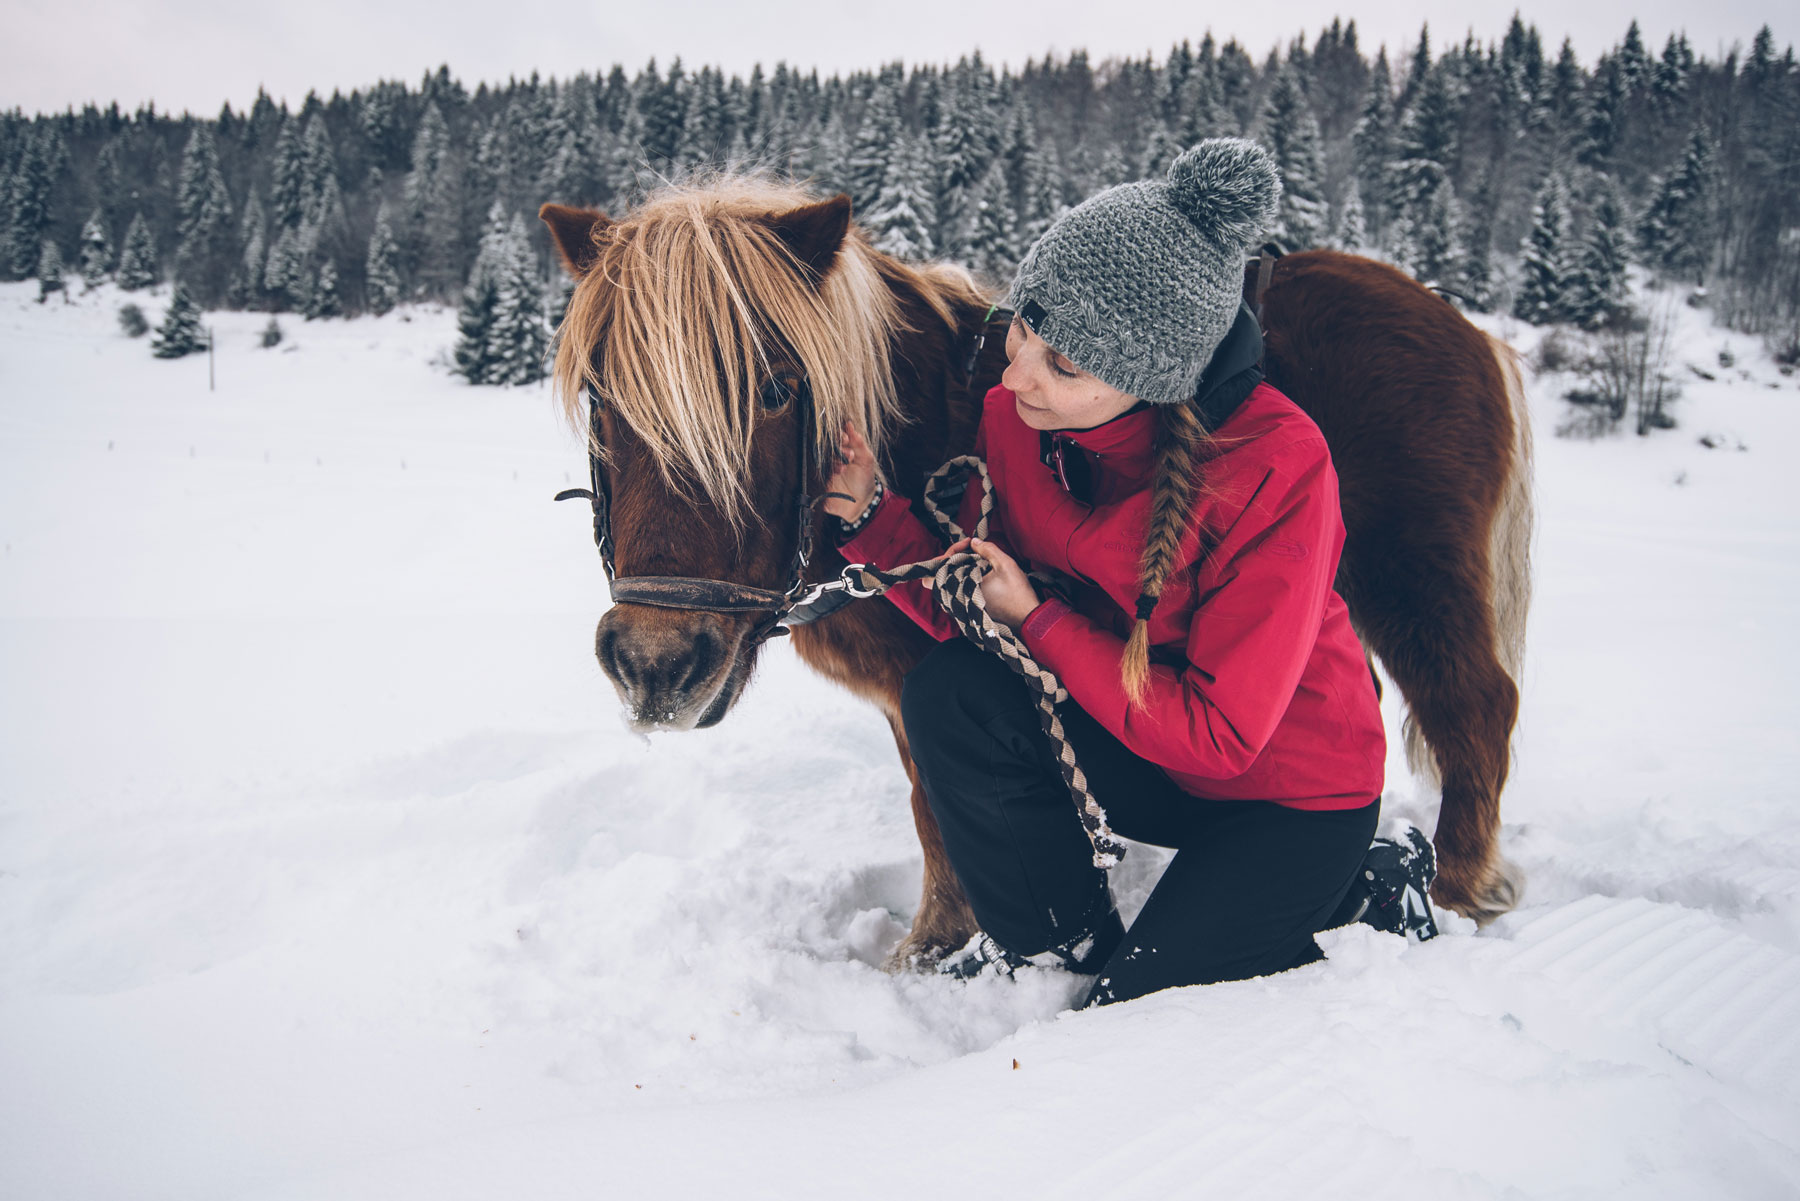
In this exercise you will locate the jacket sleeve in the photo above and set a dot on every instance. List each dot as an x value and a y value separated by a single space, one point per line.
1248 644
895 535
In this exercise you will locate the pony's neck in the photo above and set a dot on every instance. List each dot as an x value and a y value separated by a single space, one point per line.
939 398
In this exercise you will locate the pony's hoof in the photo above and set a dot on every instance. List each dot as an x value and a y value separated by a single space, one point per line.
1487 892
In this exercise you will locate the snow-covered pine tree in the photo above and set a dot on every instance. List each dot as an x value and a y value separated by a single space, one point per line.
180 332
1474 278
1676 233
204 253
50 271
1352 233
992 243
43 157
474 323
322 298
518 337
1597 290
866 166
433 209
476 360
1043 201
1292 134
137 261
253 255
901 221
287 191
381 274
1373 139
1161 150
1543 257
1418 179
96 250
284 272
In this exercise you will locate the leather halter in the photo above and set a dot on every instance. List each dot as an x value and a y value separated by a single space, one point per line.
690 592
802 602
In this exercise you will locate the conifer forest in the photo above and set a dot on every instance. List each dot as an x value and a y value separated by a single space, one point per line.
1510 174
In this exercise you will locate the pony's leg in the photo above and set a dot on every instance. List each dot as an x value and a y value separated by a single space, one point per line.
943 922
1463 704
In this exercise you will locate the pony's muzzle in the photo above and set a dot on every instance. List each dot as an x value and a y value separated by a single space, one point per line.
672 667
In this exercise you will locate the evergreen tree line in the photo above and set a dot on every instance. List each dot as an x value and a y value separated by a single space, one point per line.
1501 171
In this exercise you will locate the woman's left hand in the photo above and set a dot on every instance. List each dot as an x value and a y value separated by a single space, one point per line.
1005 589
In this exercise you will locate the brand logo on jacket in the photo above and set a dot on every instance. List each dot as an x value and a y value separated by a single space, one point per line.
1284 548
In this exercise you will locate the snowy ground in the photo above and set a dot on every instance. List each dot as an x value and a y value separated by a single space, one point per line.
327 869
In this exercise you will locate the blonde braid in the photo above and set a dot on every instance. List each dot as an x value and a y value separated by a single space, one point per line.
1181 437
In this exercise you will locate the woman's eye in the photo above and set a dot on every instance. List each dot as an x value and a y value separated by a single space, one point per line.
1060 370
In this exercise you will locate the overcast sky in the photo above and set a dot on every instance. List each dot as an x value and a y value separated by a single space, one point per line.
195 54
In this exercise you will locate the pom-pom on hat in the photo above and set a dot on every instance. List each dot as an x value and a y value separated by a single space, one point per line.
1139 284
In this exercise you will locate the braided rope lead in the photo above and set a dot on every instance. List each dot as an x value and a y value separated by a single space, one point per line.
956 581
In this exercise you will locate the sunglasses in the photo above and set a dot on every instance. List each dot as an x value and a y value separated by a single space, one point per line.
1069 464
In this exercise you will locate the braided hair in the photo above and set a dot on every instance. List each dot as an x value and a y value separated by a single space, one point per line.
1181 440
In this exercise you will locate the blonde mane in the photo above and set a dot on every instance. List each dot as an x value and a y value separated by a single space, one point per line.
687 297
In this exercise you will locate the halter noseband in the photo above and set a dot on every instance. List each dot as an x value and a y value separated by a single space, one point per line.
781 609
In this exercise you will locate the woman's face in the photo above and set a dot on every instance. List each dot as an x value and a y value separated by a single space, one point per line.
1053 393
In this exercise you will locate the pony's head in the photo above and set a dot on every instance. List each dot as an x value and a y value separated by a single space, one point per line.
695 320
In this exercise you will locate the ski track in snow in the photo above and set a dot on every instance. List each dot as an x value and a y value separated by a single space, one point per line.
327 869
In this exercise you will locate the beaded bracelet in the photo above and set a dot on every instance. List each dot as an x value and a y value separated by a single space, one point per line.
850 527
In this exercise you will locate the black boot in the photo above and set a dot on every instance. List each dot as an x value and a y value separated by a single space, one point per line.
1393 890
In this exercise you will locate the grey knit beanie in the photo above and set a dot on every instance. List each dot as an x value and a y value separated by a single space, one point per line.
1139 284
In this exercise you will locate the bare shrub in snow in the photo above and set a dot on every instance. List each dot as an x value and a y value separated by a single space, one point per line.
1625 367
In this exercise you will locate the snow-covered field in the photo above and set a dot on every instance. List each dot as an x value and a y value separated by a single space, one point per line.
327 869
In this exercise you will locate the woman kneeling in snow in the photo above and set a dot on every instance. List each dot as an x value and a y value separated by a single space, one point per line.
1219 701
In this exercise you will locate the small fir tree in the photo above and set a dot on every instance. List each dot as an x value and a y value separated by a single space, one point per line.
1597 288
322 300
137 261
381 275
1677 230
180 332
1292 135
271 335
96 251
901 221
991 239
50 271
519 336
1352 232
1543 257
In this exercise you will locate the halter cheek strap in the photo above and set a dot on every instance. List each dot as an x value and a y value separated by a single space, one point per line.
708 595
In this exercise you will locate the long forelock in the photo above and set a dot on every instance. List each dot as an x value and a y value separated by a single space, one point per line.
689 297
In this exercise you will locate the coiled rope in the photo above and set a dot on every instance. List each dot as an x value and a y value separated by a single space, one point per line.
956 582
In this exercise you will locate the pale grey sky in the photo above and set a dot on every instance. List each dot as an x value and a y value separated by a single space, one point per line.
194 54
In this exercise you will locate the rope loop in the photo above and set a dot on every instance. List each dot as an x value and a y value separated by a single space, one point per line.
956 582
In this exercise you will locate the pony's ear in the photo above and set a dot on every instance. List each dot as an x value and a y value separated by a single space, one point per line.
815 232
576 232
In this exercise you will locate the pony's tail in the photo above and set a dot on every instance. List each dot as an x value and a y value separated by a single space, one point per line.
1509 559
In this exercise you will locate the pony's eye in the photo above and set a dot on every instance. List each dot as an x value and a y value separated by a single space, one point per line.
777 392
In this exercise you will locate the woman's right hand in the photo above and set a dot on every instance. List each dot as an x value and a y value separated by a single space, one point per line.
854 477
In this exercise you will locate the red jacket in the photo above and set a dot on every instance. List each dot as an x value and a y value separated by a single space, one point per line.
1258 687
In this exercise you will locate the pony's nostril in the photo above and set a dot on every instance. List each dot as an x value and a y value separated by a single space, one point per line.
702 657
606 649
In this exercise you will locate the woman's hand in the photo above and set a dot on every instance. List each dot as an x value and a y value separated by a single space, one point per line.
1006 590
854 477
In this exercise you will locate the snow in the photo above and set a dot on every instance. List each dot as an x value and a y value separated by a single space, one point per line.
329 869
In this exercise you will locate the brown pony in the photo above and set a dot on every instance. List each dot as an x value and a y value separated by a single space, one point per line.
698 316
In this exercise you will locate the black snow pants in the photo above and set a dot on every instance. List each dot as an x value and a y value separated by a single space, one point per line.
1250 884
